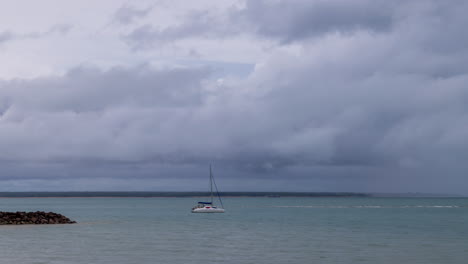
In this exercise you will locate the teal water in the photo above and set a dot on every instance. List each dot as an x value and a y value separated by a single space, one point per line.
253 230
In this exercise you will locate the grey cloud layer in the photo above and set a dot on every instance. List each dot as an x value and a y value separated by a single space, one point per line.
89 114
293 111
374 86
296 20
128 14
287 21
7 36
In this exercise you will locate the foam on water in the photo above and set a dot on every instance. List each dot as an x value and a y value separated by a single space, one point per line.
370 206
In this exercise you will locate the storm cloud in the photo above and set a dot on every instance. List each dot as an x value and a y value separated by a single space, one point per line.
355 96
287 21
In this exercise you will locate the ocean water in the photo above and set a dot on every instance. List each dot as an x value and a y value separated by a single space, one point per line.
253 230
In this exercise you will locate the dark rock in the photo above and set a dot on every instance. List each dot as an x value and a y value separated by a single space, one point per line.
32 218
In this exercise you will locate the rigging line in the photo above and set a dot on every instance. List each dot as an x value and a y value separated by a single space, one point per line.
217 192
211 185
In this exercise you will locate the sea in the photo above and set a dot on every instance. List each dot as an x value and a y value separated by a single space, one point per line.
253 230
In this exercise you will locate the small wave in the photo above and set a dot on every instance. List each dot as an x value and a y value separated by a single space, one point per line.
369 206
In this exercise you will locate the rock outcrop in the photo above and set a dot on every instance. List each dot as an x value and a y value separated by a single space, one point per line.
33 218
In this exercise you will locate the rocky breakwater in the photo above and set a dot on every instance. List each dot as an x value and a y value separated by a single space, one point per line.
33 218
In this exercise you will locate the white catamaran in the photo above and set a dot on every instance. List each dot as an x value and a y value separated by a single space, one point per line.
209 207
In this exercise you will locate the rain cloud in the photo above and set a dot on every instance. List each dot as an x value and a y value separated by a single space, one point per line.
354 96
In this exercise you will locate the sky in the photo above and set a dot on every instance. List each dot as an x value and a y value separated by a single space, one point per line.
278 95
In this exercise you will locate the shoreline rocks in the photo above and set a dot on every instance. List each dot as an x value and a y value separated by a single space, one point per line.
33 218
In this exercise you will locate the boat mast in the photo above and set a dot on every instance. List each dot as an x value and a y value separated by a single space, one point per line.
211 185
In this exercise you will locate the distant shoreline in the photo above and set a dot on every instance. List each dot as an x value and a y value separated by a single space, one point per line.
206 194
170 194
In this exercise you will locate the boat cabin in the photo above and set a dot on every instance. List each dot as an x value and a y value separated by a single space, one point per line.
205 205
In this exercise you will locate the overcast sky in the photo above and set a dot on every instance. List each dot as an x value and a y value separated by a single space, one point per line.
279 95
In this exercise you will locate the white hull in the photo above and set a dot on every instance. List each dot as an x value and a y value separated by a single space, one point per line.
208 210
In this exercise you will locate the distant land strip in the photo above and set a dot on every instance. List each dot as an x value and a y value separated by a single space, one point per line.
141 194
178 194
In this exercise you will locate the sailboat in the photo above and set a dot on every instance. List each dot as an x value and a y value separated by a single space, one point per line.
209 207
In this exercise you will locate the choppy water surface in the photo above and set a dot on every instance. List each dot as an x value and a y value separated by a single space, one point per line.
254 230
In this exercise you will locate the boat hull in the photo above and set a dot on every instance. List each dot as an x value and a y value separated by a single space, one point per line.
208 210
